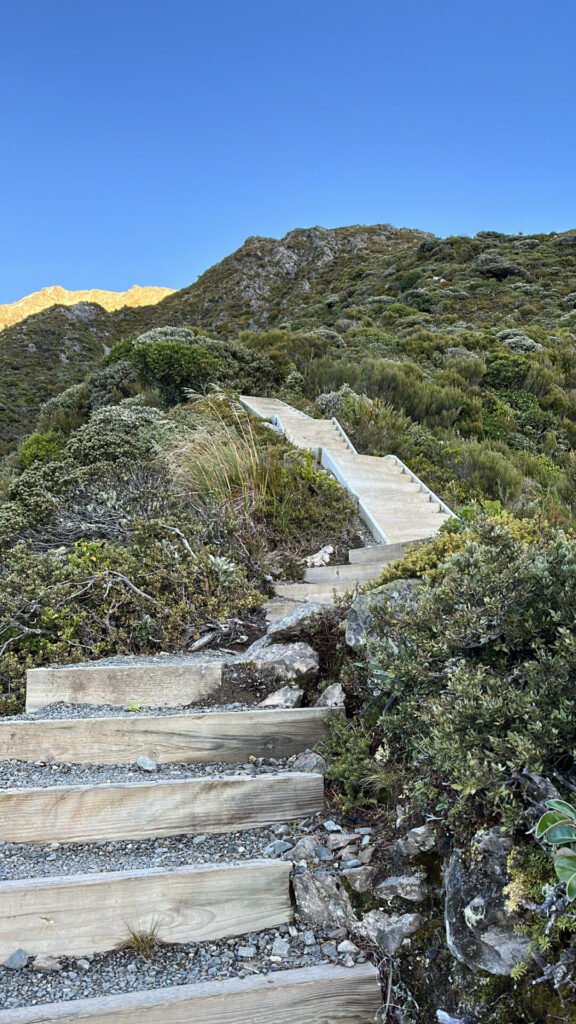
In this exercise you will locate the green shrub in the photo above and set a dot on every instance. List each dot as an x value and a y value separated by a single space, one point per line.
39 447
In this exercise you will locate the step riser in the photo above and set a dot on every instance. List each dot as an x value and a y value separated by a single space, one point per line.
150 685
85 814
229 737
311 995
345 575
383 553
95 913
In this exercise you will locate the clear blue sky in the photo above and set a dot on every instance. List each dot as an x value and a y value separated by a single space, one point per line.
143 141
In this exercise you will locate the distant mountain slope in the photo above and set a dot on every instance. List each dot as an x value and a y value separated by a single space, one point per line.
14 312
345 279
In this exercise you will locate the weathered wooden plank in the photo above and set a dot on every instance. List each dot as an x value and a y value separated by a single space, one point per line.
84 814
92 913
174 684
310 995
218 736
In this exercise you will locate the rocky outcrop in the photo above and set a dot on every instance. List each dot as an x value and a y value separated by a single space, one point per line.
479 929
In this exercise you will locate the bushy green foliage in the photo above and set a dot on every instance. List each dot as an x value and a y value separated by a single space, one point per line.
478 680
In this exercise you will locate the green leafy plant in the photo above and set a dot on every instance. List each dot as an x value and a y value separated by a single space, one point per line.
558 827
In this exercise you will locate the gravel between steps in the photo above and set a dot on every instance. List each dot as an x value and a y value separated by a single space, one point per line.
25 775
26 860
61 710
127 971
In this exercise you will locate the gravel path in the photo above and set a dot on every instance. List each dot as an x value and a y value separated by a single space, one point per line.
26 860
66 711
126 971
24 775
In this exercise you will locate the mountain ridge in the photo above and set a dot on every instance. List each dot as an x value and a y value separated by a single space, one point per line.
55 295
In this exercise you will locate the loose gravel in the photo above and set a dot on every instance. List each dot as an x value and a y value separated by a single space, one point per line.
26 860
124 970
30 775
61 710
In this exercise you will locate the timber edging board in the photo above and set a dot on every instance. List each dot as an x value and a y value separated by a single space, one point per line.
227 736
170 685
225 803
92 913
308 995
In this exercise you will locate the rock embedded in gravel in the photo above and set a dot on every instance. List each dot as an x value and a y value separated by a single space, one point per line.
280 947
17 960
308 761
147 764
406 887
46 964
247 952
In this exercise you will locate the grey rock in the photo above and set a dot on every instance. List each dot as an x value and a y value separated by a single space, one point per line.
147 764
384 605
17 960
280 947
480 931
348 947
360 878
265 667
247 952
349 961
406 887
332 826
332 697
322 901
388 931
309 849
415 842
308 761
45 964
339 840
287 697
277 848
294 625
353 863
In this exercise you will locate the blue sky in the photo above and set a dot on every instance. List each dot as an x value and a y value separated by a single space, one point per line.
143 141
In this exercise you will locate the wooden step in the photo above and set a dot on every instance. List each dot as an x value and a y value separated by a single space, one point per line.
93 913
85 814
320 593
385 553
345 574
326 994
229 736
151 683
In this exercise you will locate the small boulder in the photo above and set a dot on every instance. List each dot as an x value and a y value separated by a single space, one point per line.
360 879
17 960
415 842
45 964
388 931
404 887
147 764
264 667
294 625
322 901
332 697
287 697
308 761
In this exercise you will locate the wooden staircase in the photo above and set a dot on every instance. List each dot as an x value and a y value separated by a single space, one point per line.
88 913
